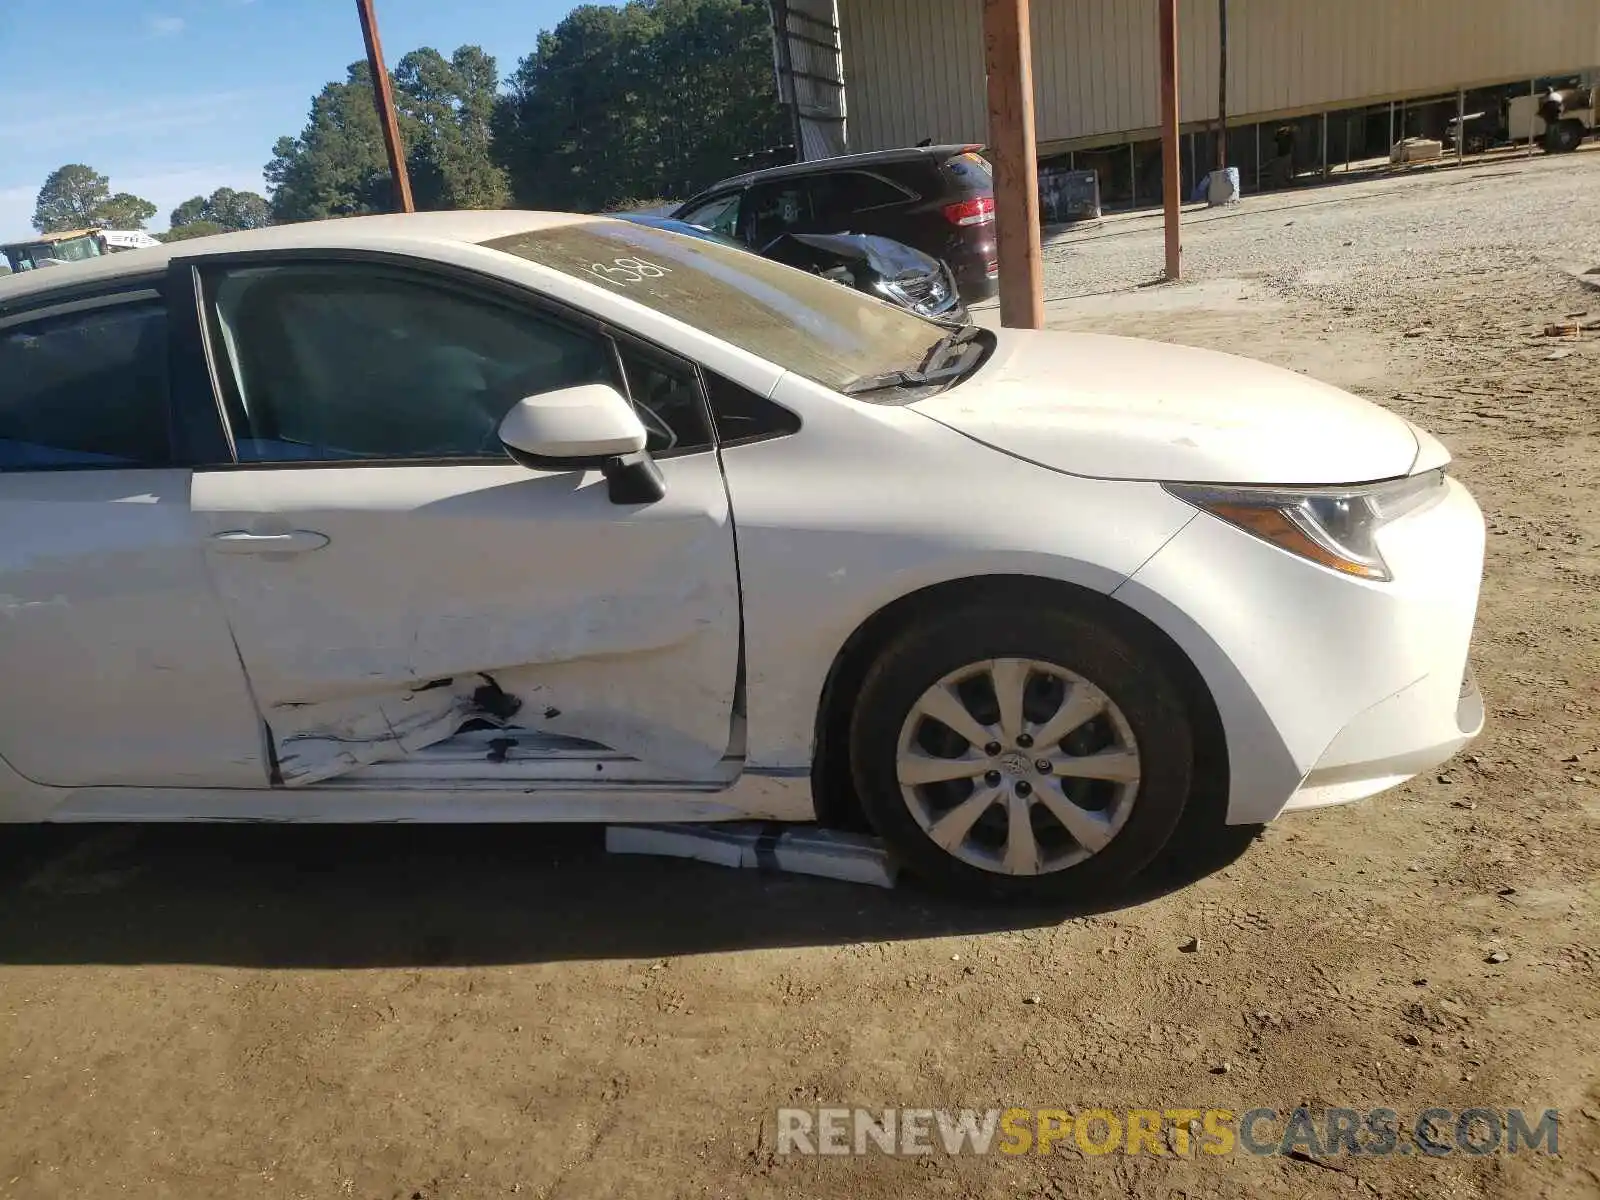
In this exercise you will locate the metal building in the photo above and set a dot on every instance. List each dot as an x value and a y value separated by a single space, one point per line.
810 71
913 69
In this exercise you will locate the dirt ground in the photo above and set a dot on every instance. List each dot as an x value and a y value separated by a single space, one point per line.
446 1014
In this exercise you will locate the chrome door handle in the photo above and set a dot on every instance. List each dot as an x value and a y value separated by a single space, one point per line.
242 541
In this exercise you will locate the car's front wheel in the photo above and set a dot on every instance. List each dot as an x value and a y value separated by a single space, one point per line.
1014 752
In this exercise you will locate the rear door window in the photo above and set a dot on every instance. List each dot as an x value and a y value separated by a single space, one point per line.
838 197
782 206
85 389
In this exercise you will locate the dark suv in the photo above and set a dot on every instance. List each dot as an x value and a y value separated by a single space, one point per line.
938 199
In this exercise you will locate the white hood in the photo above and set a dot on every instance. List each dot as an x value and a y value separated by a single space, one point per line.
1123 408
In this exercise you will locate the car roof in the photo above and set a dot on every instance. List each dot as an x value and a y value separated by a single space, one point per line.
843 162
397 230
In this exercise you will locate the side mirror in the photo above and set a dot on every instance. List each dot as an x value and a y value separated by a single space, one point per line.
572 428
583 428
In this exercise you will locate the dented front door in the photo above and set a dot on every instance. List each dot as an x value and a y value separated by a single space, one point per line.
379 608
391 576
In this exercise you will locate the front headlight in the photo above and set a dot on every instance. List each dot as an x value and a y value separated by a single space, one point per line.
1334 526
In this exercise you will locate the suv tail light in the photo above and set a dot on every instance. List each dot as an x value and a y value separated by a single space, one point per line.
977 211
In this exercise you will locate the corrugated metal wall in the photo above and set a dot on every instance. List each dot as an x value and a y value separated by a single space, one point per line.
914 68
810 72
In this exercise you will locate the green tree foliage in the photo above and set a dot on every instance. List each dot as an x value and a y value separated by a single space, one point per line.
223 210
69 199
337 165
124 211
192 229
191 210
76 196
446 109
655 98
237 210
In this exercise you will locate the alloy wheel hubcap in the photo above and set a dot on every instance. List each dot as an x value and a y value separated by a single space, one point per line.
1018 766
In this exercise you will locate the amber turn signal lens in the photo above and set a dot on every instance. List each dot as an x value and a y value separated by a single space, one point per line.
1276 526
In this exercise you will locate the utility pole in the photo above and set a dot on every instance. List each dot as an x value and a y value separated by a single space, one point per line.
1169 134
1008 57
383 98
1222 87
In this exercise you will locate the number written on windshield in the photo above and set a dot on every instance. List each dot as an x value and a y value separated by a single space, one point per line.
623 271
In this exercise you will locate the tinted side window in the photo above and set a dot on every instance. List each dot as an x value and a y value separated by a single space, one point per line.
777 208
854 191
742 416
85 389
352 362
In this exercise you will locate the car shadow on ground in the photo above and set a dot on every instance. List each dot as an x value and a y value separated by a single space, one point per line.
415 895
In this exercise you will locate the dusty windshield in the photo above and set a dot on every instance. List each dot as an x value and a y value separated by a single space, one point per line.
810 325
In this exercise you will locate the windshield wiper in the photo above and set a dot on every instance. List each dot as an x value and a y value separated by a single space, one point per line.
946 360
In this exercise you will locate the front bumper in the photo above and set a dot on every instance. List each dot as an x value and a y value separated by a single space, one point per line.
934 296
1391 742
1329 688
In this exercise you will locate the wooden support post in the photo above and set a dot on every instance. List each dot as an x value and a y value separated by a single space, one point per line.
1461 124
1222 85
383 98
1008 55
1258 156
1133 178
1324 145
1533 111
1171 199
1391 127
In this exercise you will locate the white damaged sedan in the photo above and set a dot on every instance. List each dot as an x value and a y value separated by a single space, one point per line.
506 516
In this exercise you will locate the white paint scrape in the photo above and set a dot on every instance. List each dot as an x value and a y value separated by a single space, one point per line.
800 849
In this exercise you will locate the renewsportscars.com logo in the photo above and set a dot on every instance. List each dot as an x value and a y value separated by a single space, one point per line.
1323 1133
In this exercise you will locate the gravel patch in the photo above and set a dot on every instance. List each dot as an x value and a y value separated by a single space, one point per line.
1359 244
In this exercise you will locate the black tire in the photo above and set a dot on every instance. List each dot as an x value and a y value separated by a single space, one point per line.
1120 663
1563 137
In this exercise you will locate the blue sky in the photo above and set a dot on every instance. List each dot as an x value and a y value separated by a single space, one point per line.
175 98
